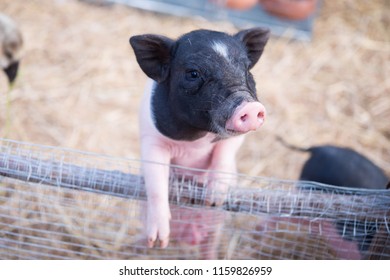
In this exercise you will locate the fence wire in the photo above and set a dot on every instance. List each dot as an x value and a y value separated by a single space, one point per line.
57 203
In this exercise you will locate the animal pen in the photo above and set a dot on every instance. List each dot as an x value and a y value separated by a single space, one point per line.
64 204
58 203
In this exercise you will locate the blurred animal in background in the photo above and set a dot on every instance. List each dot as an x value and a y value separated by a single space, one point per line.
344 167
195 114
340 166
11 43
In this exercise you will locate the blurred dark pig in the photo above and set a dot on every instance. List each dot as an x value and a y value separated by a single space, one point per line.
195 112
10 47
339 166
343 167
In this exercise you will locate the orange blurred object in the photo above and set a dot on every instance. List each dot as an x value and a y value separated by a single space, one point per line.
240 4
289 9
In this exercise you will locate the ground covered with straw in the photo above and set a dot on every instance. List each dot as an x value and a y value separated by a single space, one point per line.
79 84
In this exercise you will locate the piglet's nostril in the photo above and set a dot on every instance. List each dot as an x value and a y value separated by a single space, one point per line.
260 115
244 117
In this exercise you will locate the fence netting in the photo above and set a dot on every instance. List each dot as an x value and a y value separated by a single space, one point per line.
57 203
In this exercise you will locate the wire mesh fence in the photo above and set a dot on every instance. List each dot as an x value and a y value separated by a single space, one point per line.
58 203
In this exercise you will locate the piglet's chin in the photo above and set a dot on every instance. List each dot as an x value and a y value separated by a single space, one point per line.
226 134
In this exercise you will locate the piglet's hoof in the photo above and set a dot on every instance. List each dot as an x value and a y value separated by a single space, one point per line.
216 195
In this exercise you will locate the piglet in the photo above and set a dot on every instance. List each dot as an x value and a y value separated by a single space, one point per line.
11 42
195 111
342 166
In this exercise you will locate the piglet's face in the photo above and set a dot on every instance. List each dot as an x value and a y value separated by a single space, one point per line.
206 77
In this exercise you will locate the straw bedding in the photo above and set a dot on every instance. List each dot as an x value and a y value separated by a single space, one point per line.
79 84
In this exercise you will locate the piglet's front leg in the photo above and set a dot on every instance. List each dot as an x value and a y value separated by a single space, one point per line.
156 182
224 162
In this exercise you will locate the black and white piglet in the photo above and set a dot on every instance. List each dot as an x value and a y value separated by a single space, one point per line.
341 166
194 113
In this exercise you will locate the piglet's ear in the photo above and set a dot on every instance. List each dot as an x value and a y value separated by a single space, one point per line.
254 39
153 55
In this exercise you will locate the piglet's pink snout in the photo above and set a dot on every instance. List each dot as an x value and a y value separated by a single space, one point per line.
248 116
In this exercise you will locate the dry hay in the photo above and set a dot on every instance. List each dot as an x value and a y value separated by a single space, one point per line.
79 84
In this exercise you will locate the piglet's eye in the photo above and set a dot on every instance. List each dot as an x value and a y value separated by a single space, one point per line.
8 54
192 75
